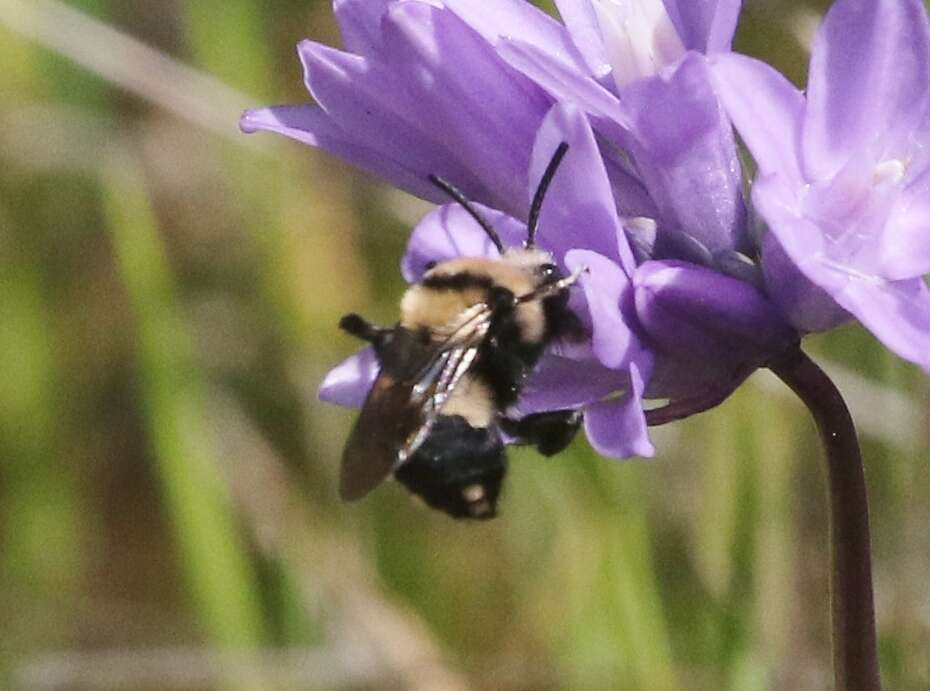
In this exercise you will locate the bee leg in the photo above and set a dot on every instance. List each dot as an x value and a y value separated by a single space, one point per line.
549 432
361 328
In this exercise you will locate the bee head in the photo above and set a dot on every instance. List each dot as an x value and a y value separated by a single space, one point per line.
538 264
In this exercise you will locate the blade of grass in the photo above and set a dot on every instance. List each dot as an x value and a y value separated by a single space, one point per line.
613 630
41 526
726 532
294 204
214 26
639 593
212 552
126 62
774 456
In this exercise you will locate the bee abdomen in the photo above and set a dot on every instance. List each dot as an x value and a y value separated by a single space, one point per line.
458 468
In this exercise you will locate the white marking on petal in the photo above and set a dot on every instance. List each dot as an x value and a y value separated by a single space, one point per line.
641 224
638 36
851 272
891 171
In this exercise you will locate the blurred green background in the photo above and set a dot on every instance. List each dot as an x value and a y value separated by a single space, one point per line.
169 290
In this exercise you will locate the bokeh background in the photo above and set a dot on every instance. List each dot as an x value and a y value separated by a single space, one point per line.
169 293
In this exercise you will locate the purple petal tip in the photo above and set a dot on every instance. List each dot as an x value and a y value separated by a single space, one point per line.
247 122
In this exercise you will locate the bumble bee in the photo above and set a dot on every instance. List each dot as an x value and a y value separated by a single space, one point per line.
469 334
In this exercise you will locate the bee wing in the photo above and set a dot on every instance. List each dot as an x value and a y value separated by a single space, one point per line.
457 363
388 417
461 339
399 411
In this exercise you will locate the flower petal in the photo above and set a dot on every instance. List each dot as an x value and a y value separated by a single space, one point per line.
312 126
581 22
800 244
807 306
897 312
690 311
360 23
579 209
698 399
519 20
905 244
564 82
617 428
869 83
605 285
766 109
485 113
688 157
706 26
449 232
364 99
476 131
559 382
638 37
631 196
348 383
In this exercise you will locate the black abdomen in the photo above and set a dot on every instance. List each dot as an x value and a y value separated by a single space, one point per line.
458 468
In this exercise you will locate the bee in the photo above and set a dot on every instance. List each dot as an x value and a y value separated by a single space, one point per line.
470 332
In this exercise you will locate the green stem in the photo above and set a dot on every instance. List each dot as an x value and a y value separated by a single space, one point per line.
855 653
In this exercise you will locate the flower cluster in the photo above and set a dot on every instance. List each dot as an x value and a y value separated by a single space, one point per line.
683 296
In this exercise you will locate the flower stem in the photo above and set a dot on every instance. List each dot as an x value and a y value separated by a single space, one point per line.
855 654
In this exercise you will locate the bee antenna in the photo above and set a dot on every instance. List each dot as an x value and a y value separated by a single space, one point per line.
457 195
544 181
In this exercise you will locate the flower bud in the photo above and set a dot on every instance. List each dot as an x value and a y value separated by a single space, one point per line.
692 311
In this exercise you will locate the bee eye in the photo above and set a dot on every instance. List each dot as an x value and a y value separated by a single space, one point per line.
548 272
429 265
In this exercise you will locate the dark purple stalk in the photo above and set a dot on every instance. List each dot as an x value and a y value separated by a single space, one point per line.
855 654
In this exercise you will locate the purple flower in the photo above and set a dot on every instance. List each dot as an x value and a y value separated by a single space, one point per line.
648 199
579 225
437 88
711 331
420 92
844 174
645 85
638 71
